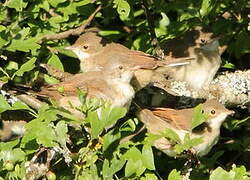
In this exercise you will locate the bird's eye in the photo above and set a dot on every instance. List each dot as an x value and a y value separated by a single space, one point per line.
202 111
120 67
203 41
85 47
213 112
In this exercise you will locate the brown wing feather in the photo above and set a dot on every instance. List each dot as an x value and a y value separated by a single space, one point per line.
175 117
132 58
97 88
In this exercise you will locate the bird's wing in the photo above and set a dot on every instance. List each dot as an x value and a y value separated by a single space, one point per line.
98 88
175 117
154 124
132 58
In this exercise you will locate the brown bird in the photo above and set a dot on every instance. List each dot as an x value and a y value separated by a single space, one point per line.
11 129
158 119
96 53
113 86
206 58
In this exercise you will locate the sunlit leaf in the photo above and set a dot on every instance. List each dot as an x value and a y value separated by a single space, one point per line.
28 66
175 175
55 62
4 105
199 116
148 157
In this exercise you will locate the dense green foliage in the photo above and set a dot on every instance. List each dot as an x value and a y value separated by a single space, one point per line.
97 154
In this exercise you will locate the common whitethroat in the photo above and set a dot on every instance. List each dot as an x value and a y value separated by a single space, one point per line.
113 86
158 119
96 53
206 58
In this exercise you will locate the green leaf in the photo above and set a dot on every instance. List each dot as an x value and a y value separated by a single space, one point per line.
8 145
123 8
42 132
28 66
16 4
174 175
162 27
109 138
229 65
150 176
4 106
61 132
2 28
134 164
148 157
110 115
115 165
50 80
187 144
3 39
55 62
170 134
199 116
55 3
20 105
206 7
129 125
12 65
97 126
23 45
12 155
220 173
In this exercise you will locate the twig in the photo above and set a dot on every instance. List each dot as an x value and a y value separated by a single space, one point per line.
149 19
76 31
52 12
158 51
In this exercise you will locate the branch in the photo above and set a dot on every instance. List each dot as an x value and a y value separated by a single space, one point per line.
76 31
158 51
230 88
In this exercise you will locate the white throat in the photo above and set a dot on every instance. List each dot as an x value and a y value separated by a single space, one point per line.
80 54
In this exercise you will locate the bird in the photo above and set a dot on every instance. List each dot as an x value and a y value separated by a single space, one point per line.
156 120
11 129
113 86
97 53
206 61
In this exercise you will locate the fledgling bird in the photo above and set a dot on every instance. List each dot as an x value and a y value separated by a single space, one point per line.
206 58
158 119
10 130
113 86
96 53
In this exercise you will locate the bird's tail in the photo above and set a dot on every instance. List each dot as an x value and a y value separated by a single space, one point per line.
176 62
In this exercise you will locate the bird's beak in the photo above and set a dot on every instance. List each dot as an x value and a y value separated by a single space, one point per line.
212 45
71 48
230 112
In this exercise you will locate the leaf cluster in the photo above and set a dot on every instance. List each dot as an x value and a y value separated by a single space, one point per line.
90 149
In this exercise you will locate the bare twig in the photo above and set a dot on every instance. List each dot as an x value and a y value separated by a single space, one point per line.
158 51
52 12
76 31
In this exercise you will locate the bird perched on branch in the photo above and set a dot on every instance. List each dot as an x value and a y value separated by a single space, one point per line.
113 86
206 58
157 120
96 53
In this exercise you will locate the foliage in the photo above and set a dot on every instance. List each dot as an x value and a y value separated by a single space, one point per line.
94 142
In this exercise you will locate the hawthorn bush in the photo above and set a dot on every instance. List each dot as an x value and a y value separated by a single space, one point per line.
25 42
